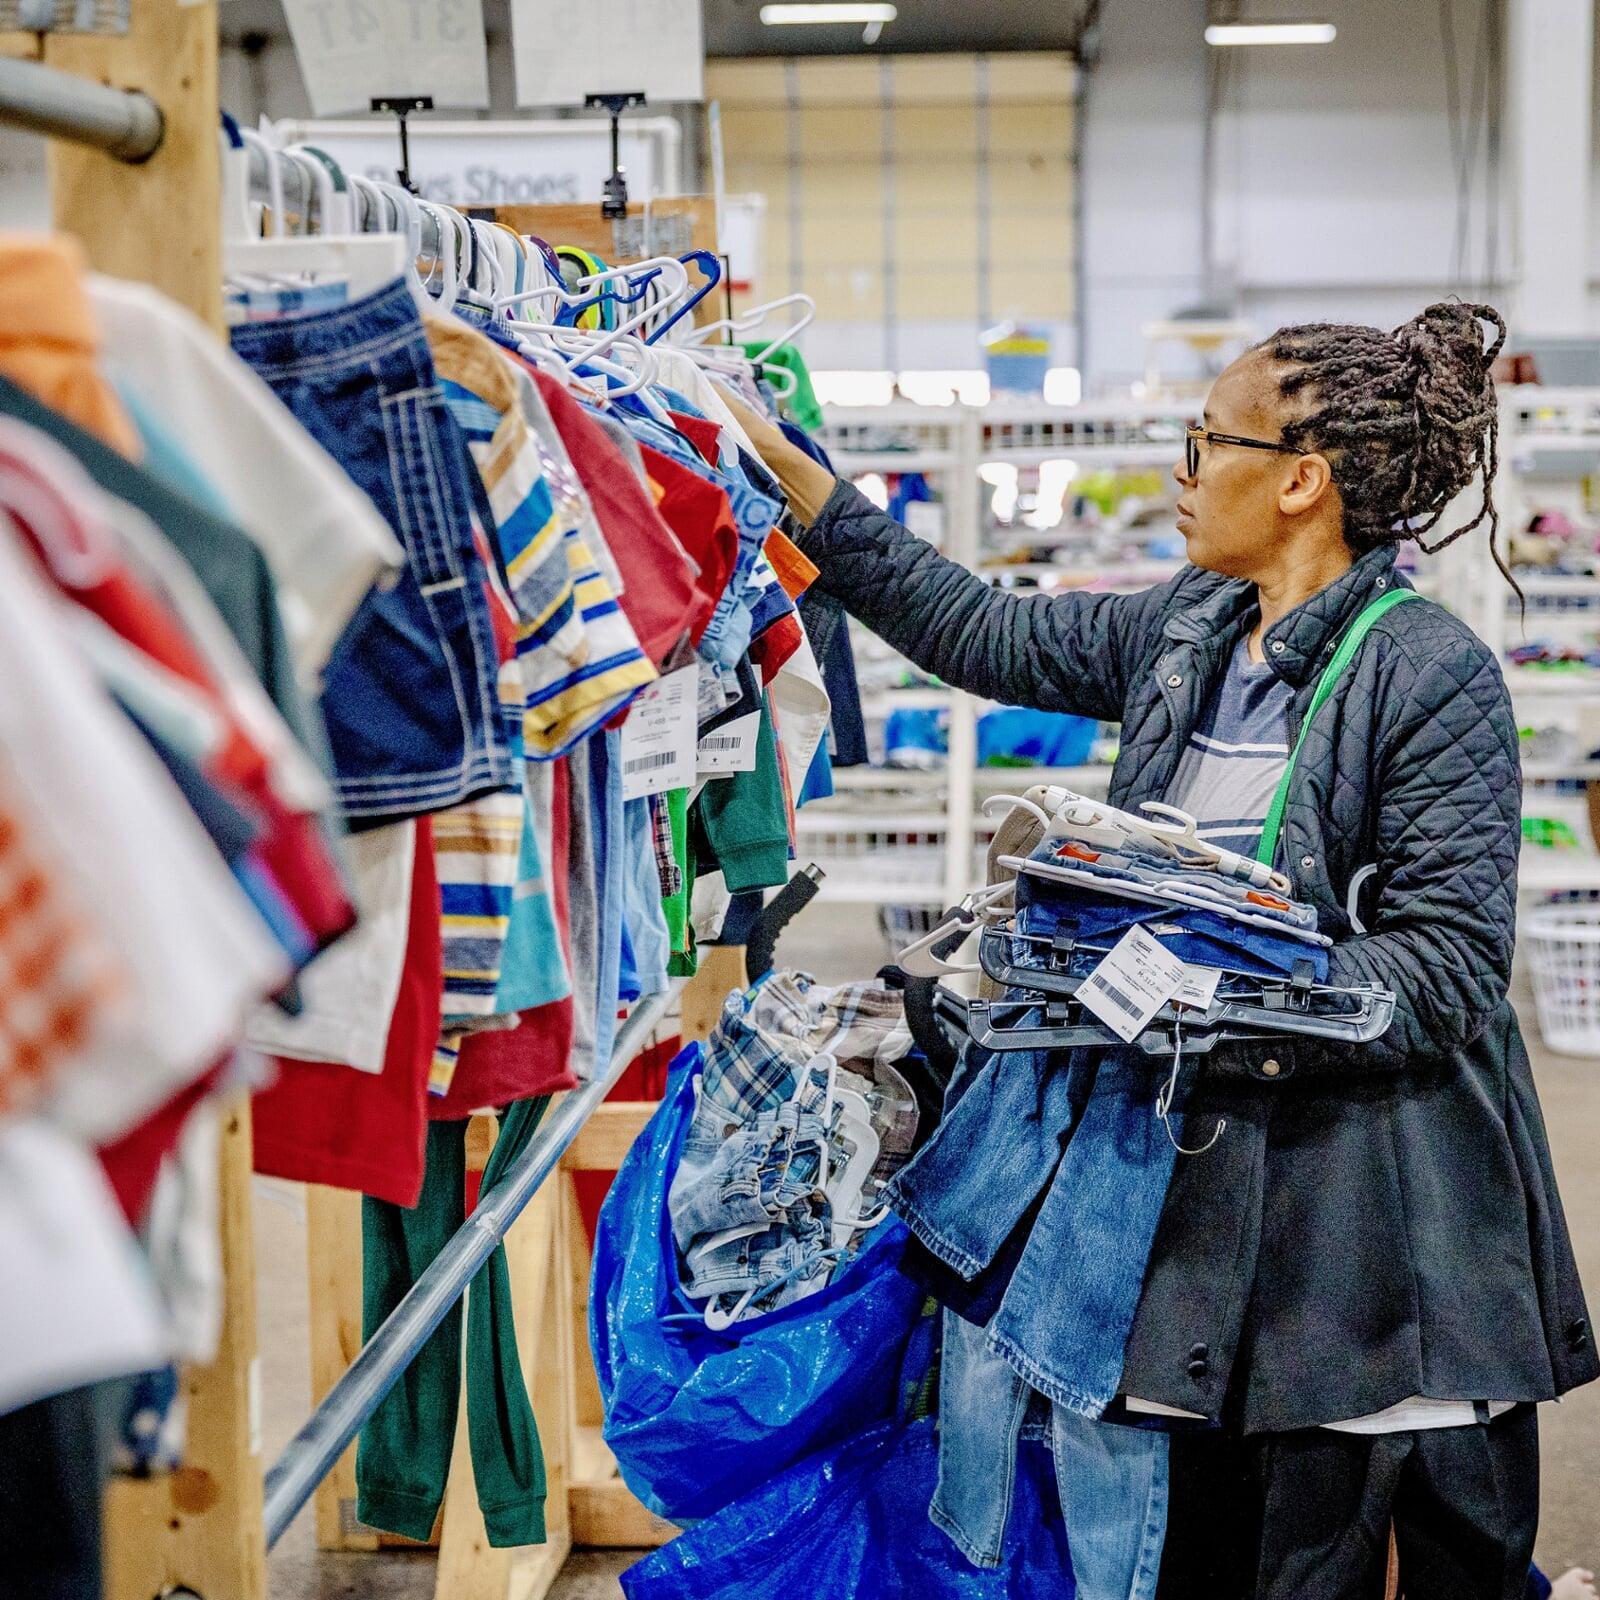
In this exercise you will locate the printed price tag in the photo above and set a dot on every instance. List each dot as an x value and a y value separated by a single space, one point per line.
730 748
1198 988
1131 984
658 739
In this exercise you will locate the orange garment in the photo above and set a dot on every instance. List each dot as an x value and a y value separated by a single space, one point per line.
57 975
796 571
49 342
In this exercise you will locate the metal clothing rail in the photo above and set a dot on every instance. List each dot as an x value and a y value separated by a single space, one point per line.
123 122
311 1455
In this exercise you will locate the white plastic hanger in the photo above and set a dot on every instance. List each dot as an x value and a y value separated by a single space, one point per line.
668 266
754 317
366 262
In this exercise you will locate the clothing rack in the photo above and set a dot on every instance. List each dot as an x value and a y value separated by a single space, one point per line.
125 123
313 1452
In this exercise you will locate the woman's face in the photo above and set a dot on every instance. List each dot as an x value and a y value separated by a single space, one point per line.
1229 512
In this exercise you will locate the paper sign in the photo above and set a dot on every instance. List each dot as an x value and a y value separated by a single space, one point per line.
1198 988
658 739
925 518
732 747
1131 984
566 49
353 51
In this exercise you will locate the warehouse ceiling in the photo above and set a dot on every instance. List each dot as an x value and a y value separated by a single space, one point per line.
734 27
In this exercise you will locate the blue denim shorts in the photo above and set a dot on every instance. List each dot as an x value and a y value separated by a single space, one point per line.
409 695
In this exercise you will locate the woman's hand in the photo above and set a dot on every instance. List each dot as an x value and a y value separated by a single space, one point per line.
806 483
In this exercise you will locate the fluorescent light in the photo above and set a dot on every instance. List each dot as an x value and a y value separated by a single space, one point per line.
832 11
1224 33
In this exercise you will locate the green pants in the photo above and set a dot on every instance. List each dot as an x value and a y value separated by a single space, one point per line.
403 1455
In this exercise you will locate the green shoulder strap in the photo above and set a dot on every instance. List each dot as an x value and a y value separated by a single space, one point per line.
1342 657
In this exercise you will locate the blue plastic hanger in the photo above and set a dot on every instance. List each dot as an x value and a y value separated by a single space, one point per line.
711 266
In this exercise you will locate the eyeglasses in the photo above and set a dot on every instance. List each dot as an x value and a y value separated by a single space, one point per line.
1192 437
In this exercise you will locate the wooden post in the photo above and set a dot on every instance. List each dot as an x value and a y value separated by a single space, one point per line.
160 223
200 1527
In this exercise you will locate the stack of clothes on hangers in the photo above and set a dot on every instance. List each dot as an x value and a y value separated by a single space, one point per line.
324 781
807 1102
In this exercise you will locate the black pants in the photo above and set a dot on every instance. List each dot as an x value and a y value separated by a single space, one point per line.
51 1480
1306 1516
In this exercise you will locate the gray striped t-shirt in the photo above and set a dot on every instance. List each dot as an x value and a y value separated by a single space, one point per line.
1229 771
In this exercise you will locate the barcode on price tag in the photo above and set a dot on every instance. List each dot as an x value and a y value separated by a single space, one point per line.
1131 984
731 748
1198 988
658 737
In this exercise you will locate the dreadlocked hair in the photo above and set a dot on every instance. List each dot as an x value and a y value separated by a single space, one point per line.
1406 419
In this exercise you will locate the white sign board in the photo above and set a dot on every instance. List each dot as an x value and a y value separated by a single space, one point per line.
566 49
352 51
504 163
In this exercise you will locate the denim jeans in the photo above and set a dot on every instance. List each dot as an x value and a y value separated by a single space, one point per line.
1064 1320
1007 1119
1112 1481
409 695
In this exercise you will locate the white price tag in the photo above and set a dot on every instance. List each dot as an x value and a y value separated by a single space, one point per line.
1131 984
1198 988
730 748
658 739
352 51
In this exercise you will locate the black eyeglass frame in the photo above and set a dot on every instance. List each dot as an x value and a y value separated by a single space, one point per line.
1193 435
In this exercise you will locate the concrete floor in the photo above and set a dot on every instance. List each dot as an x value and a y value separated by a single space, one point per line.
1570 1523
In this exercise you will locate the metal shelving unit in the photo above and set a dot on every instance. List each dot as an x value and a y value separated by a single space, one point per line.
1550 446
876 833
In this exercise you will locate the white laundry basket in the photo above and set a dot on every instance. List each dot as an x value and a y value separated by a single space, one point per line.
1563 946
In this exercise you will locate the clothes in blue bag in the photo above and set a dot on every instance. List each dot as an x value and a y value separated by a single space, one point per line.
696 1417
852 1521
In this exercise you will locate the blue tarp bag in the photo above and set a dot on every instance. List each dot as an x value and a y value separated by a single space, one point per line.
853 1521
697 1418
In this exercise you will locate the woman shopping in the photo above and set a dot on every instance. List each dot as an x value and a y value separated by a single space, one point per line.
1355 1297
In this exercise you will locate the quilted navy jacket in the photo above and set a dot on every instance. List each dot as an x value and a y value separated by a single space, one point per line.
1377 1222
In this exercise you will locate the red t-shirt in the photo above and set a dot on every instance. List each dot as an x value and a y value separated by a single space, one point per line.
699 513
324 1122
658 582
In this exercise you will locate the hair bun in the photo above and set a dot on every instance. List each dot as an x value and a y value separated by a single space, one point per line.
1451 329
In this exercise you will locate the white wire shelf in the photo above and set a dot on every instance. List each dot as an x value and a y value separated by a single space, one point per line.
1532 684
1554 583
1547 871
1559 771
851 463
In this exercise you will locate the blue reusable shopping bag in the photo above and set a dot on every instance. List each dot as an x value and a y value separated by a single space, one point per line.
697 1418
853 1521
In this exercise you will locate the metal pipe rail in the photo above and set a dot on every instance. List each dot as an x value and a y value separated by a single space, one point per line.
123 122
311 1455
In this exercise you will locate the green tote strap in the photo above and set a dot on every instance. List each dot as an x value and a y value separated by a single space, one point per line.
1342 657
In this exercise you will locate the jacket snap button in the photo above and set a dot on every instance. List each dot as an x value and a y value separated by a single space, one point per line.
1382 583
1277 647
1198 1369
1270 1068
1308 862
1175 681
1199 1352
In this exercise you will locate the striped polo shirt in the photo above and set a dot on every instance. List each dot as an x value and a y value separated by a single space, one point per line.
1230 769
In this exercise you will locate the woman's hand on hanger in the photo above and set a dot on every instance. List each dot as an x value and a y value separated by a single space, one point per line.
806 483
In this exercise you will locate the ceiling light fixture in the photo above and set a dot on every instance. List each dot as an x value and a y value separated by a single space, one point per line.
1230 33
830 11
